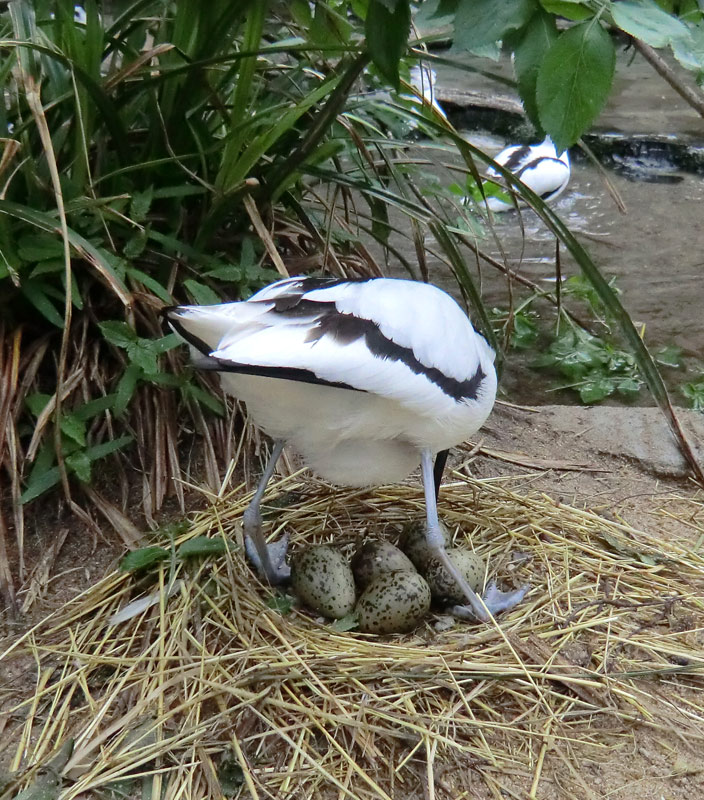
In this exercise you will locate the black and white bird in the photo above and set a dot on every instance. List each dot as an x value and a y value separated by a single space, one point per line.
364 379
539 166
423 80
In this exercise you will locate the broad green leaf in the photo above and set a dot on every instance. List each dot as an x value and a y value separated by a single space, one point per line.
42 482
142 558
166 343
482 22
443 8
126 387
528 53
37 402
283 603
202 294
141 203
690 51
594 391
80 464
202 546
94 407
570 9
143 355
387 37
49 267
35 292
39 247
118 333
670 356
74 428
134 247
151 283
645 20
100 258
347 623
205 398
328 26
574 82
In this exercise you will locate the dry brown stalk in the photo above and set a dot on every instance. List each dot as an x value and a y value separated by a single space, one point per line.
210 680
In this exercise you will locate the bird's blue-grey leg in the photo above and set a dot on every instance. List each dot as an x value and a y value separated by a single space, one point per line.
270 559
494 599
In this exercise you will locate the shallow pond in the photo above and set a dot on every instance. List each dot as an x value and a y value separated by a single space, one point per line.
655 250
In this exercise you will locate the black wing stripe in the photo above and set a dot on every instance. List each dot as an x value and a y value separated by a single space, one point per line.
327 320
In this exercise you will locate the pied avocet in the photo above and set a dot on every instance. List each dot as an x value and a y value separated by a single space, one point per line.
364 379
539 166
423 80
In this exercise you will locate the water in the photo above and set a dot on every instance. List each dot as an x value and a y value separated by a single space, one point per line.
655 249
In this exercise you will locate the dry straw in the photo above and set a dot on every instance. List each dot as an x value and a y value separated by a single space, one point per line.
211 691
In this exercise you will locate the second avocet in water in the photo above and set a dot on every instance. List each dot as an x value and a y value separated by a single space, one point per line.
540 166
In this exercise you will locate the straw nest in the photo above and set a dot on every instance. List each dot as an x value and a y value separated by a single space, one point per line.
215 688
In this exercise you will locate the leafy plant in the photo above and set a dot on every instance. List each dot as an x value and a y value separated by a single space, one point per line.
694 392
595 368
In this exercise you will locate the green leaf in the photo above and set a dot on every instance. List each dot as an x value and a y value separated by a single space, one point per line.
387 37
106 448
100 258
151 283
347 623
141 203
694 391
670 356
80 464
230 776
74 428
43 481
570 9
36 402
126 388
690 51
645 20
142 558
628 386
482 22
118 333
202 294
35 292
166 343
574 82
134 247
528 54
40 247
94 407
594 391
283 603
205 398
142 354
328 26
202 546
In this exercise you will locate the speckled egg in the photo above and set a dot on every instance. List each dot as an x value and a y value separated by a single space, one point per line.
414 544
443 586
322 579
376 558
394 602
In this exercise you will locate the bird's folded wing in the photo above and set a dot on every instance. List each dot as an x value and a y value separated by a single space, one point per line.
350 363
